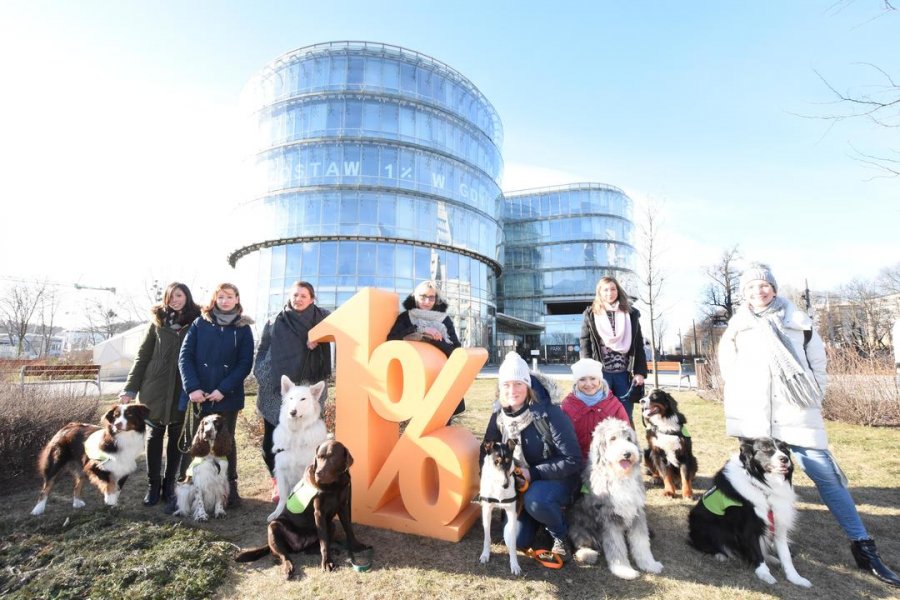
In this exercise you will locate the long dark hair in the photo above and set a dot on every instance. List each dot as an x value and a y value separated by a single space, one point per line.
191 309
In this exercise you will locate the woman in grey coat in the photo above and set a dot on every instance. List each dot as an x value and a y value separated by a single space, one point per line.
155 379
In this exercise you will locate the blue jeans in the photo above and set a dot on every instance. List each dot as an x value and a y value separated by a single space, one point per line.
820 467
620 383
543 504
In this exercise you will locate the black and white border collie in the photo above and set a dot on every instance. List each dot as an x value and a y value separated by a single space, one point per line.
750 509
669 455
106 454
498 490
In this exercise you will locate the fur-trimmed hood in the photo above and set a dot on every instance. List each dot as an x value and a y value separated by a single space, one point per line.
240 322
553 395
439 304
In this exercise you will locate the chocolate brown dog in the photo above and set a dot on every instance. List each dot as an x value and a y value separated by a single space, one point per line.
308 517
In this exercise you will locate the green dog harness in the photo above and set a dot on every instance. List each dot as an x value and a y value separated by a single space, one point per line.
684 431
717 502
302 494
92 447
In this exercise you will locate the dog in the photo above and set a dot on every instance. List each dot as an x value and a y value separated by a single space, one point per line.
205 490
498 490
750 509
106 454
323 493
299 432
669 456
611 507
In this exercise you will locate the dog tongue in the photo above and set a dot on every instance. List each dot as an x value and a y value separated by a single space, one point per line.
625 464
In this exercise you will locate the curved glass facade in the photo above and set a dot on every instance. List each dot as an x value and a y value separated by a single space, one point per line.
376 166
558 242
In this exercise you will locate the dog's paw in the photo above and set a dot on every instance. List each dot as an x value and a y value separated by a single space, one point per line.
77 503
220 513
720 557
287 569
111 499
798 580
653 567
514 567
762 571
485 557
669 493
587 556
624 572
201 516
327 564
39 508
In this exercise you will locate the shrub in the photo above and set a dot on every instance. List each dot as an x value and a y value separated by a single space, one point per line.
861 390
28 419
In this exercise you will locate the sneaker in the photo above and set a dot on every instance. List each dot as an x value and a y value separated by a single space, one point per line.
561 549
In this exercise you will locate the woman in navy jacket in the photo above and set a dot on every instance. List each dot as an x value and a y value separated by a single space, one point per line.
216 357
547 452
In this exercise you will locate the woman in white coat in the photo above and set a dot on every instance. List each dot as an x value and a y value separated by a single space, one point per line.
773 365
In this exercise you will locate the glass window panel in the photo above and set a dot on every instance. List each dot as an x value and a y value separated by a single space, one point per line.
294 264
335 112
355 71
389 119
349 210
387 213
330 208
353 118
347 258
367 258
407 78
310 258
407 122
320 73
423 82
390 75
327 258
385 260
277 265
371 117
368 209
423 263
403 261
338 72
373 71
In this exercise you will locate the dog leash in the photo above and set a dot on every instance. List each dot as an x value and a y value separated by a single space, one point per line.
545 558
187 427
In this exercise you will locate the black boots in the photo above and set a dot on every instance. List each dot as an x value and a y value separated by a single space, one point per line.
153 490
866 555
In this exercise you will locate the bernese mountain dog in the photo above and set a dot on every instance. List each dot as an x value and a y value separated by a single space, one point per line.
669 456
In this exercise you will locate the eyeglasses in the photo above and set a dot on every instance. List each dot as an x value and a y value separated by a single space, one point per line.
427 298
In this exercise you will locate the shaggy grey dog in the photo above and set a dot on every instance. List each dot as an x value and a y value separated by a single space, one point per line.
611 508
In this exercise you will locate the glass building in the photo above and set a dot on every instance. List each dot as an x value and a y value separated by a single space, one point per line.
558 242
375 166
378 166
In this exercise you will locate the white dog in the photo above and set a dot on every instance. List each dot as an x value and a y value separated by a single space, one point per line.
498 490
299 432
611 509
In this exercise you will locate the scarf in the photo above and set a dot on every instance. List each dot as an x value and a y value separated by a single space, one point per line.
787 368
511 427
224 318
423 319
616 335
172 319
287 347
592 400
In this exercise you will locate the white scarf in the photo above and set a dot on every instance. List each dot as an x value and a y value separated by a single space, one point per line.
512 428
422 319
620 339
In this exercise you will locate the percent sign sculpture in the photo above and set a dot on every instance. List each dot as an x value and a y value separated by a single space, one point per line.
423 481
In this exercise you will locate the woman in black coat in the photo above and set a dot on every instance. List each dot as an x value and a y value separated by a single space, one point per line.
425 320
611 334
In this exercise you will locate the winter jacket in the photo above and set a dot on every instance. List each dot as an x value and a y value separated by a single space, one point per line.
403 327
216 357
590 342
154 378
565 461
753 406
585 418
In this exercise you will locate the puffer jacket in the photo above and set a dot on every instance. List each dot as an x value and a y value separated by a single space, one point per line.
216 357
585 418
565 461
591 342
753 405
154 378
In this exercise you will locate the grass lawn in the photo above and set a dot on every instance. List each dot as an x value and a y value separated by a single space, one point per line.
140 553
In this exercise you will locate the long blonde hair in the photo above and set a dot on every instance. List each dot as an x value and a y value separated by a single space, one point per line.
624 303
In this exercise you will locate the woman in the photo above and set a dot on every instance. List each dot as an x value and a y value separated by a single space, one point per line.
611 334
773 365
155 379
285 349
590 402
547 452
425 320
216 357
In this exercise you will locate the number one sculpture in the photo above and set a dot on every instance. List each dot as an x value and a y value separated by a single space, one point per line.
423 481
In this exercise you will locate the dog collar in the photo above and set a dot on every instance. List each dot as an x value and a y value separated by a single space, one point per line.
480 498
717 502
92 447
302 494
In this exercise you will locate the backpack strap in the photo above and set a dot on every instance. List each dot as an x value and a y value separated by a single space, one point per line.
540 423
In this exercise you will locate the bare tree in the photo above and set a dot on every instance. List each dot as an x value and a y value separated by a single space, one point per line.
49 305
17 308
652 274
723 294
889 279
105 318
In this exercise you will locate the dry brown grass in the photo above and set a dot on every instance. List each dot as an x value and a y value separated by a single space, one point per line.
861 389
407 566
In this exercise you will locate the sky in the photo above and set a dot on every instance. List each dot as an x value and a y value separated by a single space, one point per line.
123 135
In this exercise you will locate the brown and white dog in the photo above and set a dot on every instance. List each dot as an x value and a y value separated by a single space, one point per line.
105 453
205 490
299 432
323 493
669 456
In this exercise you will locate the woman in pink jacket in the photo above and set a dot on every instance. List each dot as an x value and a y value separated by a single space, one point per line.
590 401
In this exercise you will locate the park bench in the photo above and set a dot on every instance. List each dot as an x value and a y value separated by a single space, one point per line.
61 374
671 365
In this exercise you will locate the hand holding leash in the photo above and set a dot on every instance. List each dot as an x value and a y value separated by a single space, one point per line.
197 396
215 396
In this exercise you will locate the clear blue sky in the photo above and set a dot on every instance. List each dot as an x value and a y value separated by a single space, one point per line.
121 128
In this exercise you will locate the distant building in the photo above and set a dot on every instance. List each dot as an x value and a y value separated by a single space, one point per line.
379 166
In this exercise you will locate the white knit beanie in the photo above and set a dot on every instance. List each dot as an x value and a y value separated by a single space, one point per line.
513 368
587 367
758 272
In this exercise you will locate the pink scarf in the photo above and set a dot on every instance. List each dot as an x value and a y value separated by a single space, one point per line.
620 340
